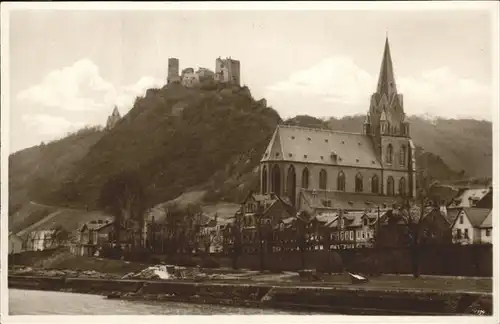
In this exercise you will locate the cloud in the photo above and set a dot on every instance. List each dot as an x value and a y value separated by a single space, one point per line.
50 126
80 87
337 86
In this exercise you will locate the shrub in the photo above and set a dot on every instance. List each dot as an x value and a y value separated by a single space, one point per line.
330 262
209 262
186 261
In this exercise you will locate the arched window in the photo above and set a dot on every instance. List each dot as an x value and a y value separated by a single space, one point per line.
322 179
389 153
358 183
276 180
402 156
305 178
264 180
341 181
390 186
291 181
402 187
375 184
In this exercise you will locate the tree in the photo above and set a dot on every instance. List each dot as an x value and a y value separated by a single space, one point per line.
264 235
182 224
301 231
235 235
60 235
412 215
124 197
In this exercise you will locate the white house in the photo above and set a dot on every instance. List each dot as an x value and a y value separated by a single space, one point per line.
472 226
15 244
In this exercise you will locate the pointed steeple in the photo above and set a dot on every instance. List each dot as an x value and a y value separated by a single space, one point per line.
386 81
116 112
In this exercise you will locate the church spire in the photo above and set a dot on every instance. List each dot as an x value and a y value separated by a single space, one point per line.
386 81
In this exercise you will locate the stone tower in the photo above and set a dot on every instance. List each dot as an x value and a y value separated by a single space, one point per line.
173 70
387 124
113 118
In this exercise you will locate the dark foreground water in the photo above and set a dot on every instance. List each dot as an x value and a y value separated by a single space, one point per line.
35 302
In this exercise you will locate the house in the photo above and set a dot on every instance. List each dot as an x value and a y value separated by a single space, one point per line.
210 236
95 234
15 244
353 230
472 226
394 228
378 164
258 215
41 240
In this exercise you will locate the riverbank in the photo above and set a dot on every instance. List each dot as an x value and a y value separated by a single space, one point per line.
353 299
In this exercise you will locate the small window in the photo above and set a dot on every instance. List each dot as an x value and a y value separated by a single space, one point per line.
326 140
293 137
461 219
290 154
488 232
305 156
277 153
466 233
308 138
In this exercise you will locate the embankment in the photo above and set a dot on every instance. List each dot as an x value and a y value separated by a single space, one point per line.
343 300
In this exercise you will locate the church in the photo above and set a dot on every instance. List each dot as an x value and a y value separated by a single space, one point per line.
328 170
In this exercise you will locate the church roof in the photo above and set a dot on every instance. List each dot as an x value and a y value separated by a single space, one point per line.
312 145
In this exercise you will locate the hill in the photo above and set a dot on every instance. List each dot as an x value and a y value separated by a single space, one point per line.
33 170
464 145
178 139
208 140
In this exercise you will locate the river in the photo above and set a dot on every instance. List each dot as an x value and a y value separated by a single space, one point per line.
35 302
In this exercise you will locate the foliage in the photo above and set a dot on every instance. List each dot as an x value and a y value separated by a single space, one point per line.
123 196
181 227
60 235
210 262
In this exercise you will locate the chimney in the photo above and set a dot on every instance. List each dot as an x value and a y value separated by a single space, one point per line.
215 217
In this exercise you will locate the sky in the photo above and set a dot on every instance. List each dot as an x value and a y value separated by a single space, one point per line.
69 68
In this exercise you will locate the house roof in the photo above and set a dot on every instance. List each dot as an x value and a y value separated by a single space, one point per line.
462 199
345 200
488 221
477 215
486 201
96 225
312 145
355 219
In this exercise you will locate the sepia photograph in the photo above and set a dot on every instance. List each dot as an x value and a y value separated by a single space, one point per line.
240 158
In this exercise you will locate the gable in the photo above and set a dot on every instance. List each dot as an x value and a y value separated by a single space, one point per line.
466 223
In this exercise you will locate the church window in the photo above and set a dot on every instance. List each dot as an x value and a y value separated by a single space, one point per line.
359 183
375 185
402 187
341 181
305 178
390 186
322 179
389 154
402 156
